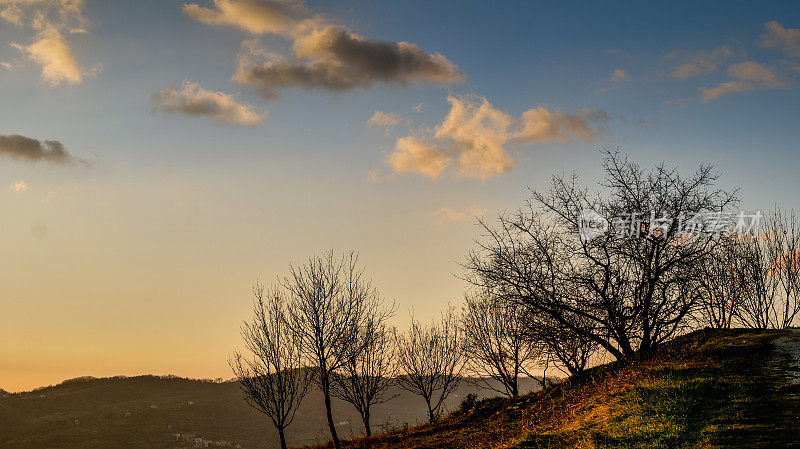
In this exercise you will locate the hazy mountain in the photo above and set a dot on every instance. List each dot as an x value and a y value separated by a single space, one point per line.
171 412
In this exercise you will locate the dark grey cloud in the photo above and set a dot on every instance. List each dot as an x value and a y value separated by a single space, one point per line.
335 59
26 149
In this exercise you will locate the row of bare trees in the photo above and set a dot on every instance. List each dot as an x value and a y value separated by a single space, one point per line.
754 281
325 324
504 341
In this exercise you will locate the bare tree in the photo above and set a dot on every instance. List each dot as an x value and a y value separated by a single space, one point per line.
498 344
273 377
367 373
629 291
431 359
772 274
331 302
722 280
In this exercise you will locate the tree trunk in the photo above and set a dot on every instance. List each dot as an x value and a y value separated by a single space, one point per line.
326 390
430 413
283 438
365 418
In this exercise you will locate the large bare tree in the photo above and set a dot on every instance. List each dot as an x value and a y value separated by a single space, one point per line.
331 302
431 359
498 344
368 372
628 288
273 377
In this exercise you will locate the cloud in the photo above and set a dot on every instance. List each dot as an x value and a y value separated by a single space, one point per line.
412 155
787 39
26 149
40 14
19 186
620 76
334 59
593 114
447 214
193 100
543 126
477 132
253 16
616 80
326 56
380 118
700 62
747 76
474 134
49 49
59 64
676 102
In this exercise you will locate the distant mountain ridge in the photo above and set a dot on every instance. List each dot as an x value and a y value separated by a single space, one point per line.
168 412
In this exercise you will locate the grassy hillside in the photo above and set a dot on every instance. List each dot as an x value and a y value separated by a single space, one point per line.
149 412
708 389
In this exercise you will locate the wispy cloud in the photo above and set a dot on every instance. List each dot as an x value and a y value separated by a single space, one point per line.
193 100
700 62
26 149
380 118
474 134
777 36
447 214
747 76
19 186
616 80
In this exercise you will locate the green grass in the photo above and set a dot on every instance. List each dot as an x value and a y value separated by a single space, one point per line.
709 389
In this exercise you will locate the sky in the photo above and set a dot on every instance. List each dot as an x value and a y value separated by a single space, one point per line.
159 157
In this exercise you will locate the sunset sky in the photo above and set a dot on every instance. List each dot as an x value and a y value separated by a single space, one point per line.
158 157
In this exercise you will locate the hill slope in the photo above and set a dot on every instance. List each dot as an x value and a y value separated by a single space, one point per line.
168 412
732 388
